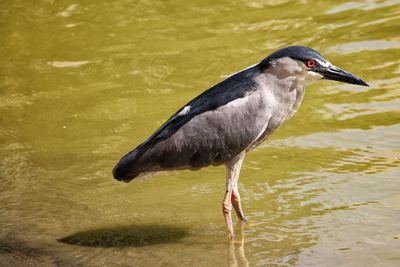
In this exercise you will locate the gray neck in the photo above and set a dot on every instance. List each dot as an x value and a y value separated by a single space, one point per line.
285 87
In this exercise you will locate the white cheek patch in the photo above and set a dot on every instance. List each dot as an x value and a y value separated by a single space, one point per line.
312 76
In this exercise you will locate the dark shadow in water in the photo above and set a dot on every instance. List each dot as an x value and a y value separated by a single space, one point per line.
15 252
126 236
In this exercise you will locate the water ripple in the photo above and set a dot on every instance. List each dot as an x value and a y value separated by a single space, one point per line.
371 45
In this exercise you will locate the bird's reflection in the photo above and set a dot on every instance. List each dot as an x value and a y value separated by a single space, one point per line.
236 248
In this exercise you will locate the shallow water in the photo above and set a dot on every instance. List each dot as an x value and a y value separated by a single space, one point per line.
84 82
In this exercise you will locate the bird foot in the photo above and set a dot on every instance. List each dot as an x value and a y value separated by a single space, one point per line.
231 236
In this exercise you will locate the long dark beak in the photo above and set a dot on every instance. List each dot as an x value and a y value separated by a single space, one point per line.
336 74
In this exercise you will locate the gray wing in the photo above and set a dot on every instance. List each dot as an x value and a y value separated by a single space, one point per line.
210 138
209 130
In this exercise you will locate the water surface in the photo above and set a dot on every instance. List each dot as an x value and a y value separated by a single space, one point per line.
84 82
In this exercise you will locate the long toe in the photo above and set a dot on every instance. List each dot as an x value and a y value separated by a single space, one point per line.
235 199
227 212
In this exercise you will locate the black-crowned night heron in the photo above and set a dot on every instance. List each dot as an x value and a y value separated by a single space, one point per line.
229 119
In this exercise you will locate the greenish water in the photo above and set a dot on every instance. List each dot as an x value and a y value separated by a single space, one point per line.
84 82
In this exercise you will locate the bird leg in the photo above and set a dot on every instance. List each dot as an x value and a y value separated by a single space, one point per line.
226 210
232 175
235 199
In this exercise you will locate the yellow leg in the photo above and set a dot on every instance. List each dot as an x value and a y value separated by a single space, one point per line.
226 210
232 195
235 199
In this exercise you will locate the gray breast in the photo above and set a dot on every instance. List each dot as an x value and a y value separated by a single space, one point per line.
216 136
287 96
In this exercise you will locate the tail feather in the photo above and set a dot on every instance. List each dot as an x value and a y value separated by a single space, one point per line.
126 169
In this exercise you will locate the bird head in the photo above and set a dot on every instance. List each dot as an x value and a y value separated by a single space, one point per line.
309 64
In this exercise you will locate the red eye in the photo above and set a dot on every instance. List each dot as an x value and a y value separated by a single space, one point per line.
311 63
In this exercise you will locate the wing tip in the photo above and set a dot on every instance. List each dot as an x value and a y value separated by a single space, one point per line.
125 170
122 174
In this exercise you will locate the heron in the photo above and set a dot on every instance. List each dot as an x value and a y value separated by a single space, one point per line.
222 124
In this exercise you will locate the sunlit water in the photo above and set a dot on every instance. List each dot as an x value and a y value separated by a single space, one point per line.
84 82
